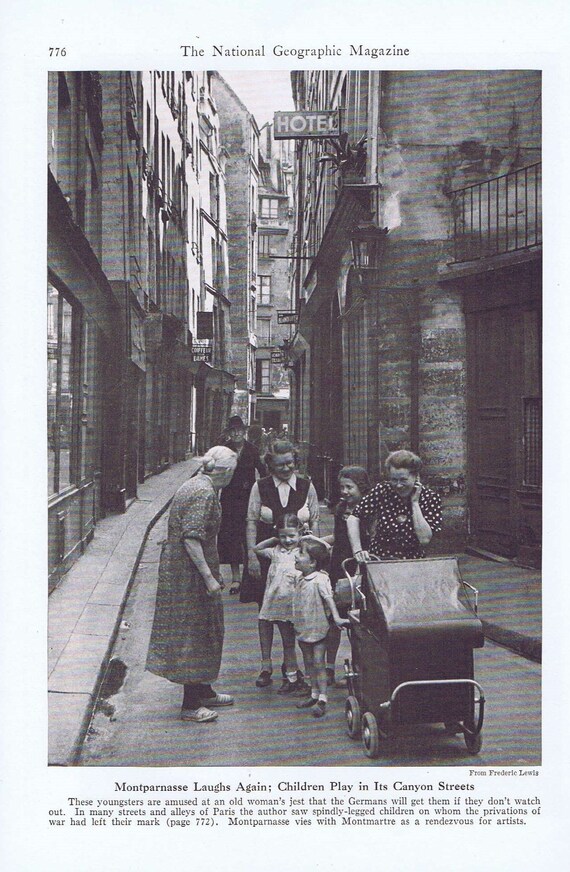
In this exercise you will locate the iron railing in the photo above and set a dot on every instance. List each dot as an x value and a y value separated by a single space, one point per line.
500 215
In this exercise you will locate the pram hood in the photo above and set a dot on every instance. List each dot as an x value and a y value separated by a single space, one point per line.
420 598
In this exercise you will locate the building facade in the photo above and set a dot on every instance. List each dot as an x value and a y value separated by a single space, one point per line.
83 321
421 223
240 139
274 329
128 278
212 328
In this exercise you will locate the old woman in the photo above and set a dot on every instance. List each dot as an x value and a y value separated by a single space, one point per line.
402 513
188 629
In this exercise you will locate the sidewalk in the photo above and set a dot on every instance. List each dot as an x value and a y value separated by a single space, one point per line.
85 611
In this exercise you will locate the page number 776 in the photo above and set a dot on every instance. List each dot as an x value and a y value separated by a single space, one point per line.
57 52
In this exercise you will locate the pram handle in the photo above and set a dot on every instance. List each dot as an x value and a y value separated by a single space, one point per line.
475 591
354 587
373 559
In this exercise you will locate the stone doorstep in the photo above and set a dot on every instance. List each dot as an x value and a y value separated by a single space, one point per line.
521 643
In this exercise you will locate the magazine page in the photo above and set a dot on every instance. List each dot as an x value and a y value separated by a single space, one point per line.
299 566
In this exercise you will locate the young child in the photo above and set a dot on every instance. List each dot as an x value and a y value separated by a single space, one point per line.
277 606
354 484
312 603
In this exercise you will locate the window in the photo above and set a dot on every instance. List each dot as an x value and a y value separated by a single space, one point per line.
214 196
167 179
264 290
252 314
222 338
263 376
131 210
61 390
263 331
265 244
91 218
532 409
207 133
64 135
269 207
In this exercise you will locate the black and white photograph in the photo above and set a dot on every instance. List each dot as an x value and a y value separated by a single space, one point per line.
294 417
297 391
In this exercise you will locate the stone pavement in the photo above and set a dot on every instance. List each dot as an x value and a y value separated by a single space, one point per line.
85 610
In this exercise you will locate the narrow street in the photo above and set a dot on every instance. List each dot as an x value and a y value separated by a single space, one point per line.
137 719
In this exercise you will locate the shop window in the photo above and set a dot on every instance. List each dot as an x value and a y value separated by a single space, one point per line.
61 390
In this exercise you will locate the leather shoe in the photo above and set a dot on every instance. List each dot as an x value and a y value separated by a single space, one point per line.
217 700
264 679
200 715
307 703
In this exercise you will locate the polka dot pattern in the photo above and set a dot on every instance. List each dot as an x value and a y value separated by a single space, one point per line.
389 521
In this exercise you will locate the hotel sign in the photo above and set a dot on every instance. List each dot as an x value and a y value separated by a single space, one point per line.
306 125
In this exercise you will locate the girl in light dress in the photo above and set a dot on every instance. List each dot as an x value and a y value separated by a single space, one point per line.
277 606
313 603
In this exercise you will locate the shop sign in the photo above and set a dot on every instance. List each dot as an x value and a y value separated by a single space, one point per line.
277 357
201 351
285 317
306 125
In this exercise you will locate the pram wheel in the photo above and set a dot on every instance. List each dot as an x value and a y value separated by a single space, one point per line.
352 712
370 735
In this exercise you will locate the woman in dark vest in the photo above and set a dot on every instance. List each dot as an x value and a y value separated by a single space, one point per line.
282 491
234 499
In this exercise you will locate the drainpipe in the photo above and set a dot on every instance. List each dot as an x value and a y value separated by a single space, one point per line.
374 99
300 204
299 390
415 348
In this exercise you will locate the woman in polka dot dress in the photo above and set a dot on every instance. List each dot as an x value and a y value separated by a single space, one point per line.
402 514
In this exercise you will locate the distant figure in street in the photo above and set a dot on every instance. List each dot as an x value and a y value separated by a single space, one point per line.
255 436
354 485
277 606
402 513
188 629
232 546
313 605
280 492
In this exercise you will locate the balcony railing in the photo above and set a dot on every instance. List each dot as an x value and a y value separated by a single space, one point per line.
500 215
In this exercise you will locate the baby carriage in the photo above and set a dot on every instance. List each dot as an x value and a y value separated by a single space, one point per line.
412 641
